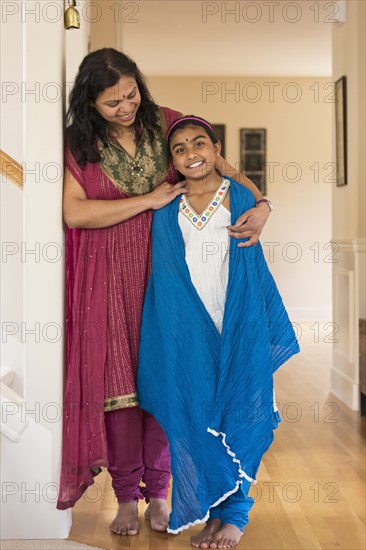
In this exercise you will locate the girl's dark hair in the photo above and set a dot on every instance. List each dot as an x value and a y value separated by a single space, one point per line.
190 120
98 71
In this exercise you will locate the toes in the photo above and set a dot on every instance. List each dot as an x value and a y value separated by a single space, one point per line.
119 530
198 542
159 527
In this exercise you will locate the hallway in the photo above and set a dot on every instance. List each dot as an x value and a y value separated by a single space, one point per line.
275 74
310 492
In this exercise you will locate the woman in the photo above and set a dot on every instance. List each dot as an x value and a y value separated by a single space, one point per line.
116 174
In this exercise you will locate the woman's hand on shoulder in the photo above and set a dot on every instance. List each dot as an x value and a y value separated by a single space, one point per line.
166 193
250 224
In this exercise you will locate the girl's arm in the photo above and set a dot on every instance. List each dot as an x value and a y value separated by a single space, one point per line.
79 211
251 223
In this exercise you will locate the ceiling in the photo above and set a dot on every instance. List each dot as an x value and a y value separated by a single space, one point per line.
256 38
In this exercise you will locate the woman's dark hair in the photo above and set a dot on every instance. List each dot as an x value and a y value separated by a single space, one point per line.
190 120
98 71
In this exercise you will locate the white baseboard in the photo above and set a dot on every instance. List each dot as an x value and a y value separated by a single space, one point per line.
345 389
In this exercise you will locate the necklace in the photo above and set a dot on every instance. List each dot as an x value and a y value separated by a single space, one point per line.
136 168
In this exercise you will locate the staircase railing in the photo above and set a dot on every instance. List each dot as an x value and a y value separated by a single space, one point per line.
11 169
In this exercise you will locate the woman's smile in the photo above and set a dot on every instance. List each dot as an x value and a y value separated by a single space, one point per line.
128 116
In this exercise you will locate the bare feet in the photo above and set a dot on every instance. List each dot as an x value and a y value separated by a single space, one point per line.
158 514
126 520
205 537
227 537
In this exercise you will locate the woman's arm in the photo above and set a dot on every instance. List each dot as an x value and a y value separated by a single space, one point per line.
251 223
79 211
227 170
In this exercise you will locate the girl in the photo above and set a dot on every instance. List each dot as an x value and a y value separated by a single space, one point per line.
214 330
116 175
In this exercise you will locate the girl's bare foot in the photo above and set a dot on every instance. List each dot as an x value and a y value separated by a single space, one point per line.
205 537
227 537
157 513
126 521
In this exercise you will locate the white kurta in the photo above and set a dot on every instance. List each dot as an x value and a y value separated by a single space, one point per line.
206 243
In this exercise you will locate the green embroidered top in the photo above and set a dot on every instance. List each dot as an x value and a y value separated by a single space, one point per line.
139 175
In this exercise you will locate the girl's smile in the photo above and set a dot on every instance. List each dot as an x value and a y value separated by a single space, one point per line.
195 164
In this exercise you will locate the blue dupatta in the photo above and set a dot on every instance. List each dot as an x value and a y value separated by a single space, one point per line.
211 393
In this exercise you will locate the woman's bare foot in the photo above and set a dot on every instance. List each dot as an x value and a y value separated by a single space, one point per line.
205 537
126 521
227 537
157 513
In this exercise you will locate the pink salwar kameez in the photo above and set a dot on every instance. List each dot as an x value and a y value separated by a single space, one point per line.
107 271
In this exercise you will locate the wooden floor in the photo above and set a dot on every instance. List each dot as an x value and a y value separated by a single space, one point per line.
311 484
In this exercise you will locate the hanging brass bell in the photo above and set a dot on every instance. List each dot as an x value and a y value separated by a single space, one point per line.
72 17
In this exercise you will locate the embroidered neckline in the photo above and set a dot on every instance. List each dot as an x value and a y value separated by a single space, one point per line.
201 220
139 175
134 162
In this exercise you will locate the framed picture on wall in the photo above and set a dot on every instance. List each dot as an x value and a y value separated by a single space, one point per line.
341 129
219 131
253 156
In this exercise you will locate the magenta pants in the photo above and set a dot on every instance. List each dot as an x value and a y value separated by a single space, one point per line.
138 450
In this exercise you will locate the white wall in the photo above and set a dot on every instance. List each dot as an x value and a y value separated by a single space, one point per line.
33 126
190 37
11 37
299 148
77 41
106 25
348 207
349 60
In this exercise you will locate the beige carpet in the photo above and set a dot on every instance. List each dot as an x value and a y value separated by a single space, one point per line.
44 545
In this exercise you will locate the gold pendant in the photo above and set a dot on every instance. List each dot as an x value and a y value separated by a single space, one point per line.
136 169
